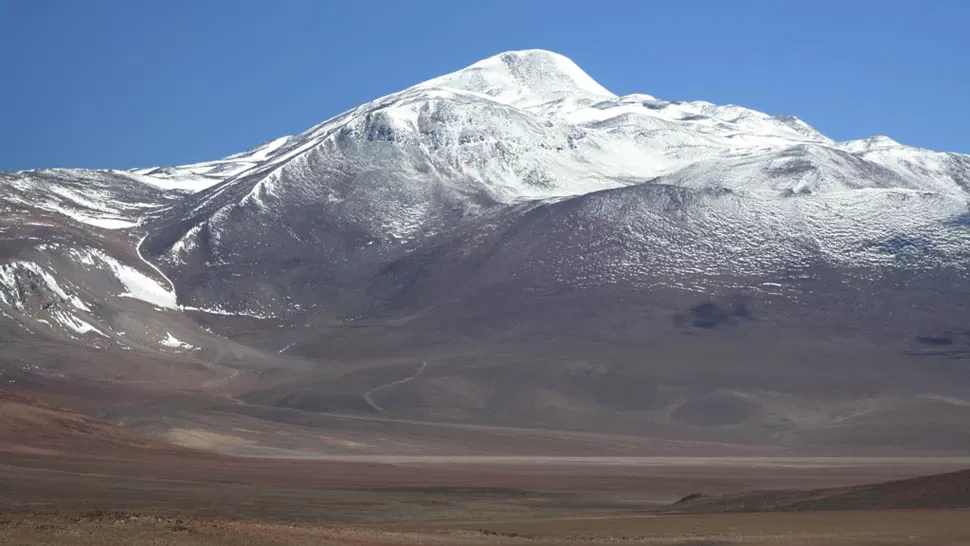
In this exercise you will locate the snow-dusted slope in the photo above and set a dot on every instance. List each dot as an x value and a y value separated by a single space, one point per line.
69 264
75 291
110 200
196 177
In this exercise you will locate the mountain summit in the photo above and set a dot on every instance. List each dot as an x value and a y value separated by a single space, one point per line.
524 79
559 256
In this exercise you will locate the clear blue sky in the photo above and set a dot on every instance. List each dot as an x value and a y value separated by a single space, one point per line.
126 83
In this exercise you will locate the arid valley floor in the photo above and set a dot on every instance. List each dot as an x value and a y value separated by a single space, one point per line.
66 478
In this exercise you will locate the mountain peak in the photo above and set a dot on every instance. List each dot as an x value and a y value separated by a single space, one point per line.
868 144
524 78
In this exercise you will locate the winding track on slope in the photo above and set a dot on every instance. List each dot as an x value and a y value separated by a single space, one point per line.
378 407
212 383
155 268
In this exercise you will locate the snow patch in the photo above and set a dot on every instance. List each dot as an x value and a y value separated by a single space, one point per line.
188 178
137 285
142 287
175 343
226 313
8 280
77 325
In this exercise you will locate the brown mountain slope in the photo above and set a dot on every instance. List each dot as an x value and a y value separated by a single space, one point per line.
950 490
28 424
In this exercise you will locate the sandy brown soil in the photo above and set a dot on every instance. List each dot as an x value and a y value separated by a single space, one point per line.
857 528
849 528
192 483
27 422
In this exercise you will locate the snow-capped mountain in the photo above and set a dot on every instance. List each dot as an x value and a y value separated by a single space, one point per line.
368 186
695 192
516 195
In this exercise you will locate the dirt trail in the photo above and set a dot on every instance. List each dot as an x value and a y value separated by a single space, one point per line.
377 407
218 382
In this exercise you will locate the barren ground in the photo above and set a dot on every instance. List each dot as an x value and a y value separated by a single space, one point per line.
67 478
855 528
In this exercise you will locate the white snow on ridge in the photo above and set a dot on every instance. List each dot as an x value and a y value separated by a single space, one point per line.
103 222
259 153
110 223
876 142
72 204
196 177
175 178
